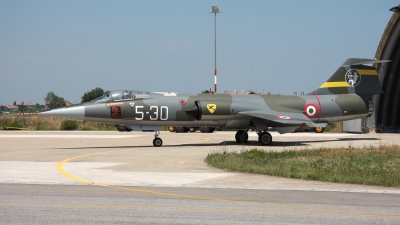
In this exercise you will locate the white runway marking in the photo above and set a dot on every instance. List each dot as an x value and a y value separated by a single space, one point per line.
66 136
46 173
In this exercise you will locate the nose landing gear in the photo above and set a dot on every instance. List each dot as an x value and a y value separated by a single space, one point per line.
157 142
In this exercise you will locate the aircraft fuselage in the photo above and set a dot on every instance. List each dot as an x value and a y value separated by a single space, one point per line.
171 110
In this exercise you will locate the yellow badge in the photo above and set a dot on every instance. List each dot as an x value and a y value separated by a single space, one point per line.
211 108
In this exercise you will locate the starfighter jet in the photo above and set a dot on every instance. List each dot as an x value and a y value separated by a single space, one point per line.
346 95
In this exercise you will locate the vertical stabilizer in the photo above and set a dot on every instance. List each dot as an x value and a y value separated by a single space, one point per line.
353 77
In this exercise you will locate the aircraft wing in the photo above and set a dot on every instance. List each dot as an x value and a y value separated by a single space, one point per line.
285 119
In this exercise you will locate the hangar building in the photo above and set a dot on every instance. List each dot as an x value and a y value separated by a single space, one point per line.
386 117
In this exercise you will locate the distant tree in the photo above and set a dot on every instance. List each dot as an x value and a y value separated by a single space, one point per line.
22 107
15 103
93 94
53 101
38 107
207 92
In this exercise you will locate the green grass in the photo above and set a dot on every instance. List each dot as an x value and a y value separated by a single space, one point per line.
369 165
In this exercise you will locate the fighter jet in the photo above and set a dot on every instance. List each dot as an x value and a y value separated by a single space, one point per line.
346 95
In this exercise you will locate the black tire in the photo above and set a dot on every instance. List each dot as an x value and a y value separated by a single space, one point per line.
157 142
265 138
185 129
207 129
179 129
128 129
192 129
241 136
204 129
120 127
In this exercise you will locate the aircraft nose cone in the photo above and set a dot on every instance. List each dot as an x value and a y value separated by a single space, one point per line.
73 113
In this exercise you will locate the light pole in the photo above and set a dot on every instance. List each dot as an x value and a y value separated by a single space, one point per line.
395 9
215 10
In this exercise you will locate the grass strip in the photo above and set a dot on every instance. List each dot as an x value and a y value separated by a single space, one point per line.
369 165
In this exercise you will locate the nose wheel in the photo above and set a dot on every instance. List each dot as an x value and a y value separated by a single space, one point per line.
157 142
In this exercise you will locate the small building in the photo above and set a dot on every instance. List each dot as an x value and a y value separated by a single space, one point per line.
243 92
11 108
67 103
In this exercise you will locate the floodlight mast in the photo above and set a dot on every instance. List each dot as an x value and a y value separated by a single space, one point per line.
215 10
395 9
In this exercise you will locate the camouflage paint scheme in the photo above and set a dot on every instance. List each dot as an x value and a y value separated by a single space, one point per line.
345 95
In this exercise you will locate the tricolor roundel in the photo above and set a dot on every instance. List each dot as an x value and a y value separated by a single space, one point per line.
310 110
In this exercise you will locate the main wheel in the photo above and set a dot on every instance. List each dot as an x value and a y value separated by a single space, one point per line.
207 129
171 128
241 136
120 127
192 129
128 129
185 129
179 129
157 142
265 138
204 129
319 129
212 129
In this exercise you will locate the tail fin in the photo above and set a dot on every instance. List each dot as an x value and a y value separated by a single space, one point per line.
353 77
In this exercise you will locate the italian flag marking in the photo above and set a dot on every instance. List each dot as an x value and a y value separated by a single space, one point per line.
310 110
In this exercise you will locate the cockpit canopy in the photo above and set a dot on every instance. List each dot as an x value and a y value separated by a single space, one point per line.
122 96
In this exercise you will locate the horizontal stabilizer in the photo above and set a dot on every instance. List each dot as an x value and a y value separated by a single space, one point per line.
356 61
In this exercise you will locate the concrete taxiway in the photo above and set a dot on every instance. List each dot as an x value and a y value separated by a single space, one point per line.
121 164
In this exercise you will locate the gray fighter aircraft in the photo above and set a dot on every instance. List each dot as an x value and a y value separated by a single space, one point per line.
345 96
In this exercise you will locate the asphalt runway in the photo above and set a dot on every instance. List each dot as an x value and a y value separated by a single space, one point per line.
77 177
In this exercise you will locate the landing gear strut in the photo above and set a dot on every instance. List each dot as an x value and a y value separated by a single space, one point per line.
157 142
264 138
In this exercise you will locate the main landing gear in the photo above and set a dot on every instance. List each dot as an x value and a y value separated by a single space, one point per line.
241 136
157 142
264 137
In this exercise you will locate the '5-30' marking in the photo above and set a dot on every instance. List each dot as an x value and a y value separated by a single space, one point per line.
155 112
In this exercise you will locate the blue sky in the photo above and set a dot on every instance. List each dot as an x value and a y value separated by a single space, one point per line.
72 47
